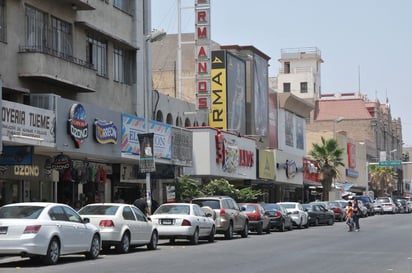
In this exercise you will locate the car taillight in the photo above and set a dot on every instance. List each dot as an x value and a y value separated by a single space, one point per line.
186 223
32 229
254 217
222 212
277 214
106 223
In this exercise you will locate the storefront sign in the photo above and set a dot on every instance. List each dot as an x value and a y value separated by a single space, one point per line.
77 124
230 155
16 155
266 165
61 162
218 113
22 122
105 132
26 170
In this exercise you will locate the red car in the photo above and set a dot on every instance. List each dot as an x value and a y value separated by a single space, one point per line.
258 218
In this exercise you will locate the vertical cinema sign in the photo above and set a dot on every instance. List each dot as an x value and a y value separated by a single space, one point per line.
202 54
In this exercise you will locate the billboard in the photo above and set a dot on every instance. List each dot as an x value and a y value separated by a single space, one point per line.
218 113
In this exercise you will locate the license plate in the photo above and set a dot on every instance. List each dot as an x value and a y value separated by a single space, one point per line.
167 222
3 230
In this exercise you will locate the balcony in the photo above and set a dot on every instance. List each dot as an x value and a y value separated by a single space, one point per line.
45 64
78 4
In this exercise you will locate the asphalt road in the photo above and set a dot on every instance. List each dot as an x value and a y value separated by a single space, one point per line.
383 245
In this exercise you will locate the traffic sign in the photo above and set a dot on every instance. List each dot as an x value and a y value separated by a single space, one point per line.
391 163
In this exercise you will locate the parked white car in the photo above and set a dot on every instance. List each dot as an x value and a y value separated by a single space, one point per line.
46 231
298 214
121 225
184 220
388 205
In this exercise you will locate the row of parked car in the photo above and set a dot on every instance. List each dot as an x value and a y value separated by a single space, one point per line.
45 231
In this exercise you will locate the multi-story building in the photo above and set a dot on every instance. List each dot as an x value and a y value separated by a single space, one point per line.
75 90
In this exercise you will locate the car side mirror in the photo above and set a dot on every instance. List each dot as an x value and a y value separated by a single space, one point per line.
86 220
209 215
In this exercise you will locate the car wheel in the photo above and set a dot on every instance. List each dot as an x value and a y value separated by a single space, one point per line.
259 229
211 237
124 245
194 239
245 231
300 224
154 239
229 232
316 222
330 221
94 251
282 227
268 229
53 252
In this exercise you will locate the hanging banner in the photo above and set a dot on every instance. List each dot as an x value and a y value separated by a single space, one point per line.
146 162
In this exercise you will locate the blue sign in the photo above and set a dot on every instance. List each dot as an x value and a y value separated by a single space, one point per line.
16 155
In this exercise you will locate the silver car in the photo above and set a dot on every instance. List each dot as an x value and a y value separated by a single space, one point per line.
46 231
121 225
227 214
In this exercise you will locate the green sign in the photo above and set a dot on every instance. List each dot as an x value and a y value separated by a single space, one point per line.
391 163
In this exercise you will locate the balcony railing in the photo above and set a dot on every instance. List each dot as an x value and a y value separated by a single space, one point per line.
55 53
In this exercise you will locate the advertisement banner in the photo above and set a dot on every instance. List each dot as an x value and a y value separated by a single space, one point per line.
146 162
132 126
218 113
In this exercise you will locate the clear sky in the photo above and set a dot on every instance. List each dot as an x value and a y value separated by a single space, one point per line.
366 45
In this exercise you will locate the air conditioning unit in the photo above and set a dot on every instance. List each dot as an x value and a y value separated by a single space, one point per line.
45 101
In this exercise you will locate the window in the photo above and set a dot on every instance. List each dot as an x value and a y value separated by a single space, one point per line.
287 68
2 20
303 87
128 214
124 5
61 37
286 87
122 66
36 28
97 55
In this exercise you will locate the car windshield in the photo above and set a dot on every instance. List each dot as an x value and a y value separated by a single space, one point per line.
307 207
272 207
288 206
173 209
249 208
99 210
20 212
214 204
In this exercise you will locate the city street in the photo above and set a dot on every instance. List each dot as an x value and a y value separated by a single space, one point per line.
382 245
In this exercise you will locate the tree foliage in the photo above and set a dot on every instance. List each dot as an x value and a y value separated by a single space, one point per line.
382 180
188 188
328 154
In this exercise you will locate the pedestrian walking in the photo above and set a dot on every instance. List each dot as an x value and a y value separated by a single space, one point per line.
356 214
349 216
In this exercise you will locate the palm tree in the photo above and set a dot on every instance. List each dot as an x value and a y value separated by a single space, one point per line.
329 157
382 180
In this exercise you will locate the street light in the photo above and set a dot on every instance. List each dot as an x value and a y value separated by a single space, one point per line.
339 119
154 36
391 154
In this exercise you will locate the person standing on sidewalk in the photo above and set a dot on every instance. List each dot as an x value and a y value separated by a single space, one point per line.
356 214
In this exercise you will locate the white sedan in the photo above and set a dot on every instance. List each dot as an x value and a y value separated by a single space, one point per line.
121 225
183 220
46 231
297 213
